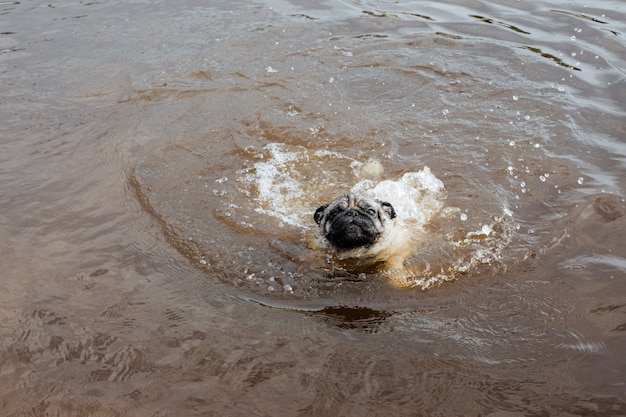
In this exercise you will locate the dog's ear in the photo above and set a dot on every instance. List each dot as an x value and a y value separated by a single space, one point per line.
319 214
388 208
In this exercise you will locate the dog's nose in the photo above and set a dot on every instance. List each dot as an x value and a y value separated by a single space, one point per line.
353 213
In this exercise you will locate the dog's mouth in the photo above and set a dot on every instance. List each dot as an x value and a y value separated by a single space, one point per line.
352 233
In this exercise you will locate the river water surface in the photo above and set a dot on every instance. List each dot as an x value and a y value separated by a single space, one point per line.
161 163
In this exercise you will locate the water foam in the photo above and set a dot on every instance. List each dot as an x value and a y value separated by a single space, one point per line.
416 196
278 189
289 181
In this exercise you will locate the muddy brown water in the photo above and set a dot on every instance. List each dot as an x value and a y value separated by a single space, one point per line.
160 164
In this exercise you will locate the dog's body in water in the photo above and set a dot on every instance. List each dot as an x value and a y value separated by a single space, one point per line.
362 232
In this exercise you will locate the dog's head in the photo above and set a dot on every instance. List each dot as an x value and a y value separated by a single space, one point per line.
352 221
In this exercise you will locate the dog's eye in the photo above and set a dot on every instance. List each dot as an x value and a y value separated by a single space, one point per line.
371 211
334 212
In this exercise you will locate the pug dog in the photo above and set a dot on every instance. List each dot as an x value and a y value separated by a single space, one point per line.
356 227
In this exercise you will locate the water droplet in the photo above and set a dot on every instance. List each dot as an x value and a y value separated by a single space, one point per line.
577 267
463 217
515 98
527 117
581 180
512 143
445 112
573 38
542 178
537 145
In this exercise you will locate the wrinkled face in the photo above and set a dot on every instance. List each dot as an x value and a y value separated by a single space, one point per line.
352 221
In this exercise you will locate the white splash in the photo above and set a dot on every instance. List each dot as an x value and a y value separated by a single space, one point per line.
287 192
278 189
416 196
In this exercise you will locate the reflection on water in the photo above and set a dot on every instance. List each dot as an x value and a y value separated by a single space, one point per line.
160 170
362 318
